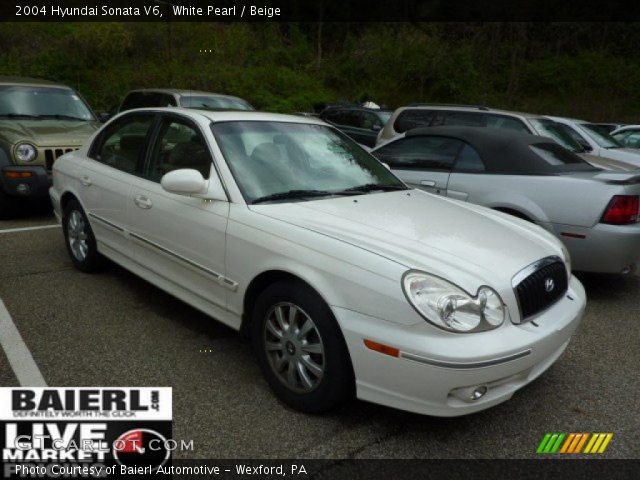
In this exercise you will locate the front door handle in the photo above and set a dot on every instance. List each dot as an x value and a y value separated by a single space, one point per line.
143 202
428 183
86 181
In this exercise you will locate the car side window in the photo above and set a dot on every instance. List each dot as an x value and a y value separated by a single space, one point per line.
463 119
413 118
336 116
122 144
168 101
630 139
420 153
469 160
583 142
370 121
352 118
178 145
508 123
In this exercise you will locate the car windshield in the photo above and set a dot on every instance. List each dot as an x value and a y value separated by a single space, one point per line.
302 161
601 136
42 102
558 132
214 102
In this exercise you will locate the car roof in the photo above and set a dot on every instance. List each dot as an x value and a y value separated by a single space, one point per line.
178 91
624 128
469 108
566 119
233 115
357 107
32 82
502 151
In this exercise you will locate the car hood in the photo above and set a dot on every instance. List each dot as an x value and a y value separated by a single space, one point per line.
46 133
610 163
427 232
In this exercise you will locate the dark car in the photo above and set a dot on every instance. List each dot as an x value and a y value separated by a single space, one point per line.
360 123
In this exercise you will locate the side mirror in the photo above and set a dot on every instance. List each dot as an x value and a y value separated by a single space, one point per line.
104 117
190 182
386 165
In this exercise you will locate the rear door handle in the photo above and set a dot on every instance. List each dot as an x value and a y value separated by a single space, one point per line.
428 183
86 181
143 202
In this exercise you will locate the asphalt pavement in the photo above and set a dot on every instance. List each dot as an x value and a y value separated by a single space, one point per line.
114 329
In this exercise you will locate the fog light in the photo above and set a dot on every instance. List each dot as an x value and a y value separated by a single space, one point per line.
470 394
478 393
23 189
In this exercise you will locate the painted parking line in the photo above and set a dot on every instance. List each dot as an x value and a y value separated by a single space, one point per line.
19 356
28 229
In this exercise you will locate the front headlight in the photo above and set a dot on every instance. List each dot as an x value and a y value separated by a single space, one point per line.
449 307
26 152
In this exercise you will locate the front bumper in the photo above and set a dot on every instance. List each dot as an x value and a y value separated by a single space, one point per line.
437 371
602 248
33 181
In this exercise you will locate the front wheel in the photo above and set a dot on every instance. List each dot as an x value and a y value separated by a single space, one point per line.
300 348
79 238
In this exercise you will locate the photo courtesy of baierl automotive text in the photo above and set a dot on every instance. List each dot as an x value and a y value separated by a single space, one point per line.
345 240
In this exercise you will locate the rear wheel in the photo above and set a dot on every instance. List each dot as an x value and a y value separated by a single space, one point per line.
300 348
79 238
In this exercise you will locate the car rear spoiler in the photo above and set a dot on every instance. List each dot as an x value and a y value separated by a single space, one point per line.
618 178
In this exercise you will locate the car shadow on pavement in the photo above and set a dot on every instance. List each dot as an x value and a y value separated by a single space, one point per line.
608 287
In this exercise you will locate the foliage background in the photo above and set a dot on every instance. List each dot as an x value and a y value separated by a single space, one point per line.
586 70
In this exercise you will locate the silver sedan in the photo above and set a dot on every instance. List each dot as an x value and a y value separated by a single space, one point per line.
594 212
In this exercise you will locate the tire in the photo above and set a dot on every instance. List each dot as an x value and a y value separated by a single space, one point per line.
79 239
321 391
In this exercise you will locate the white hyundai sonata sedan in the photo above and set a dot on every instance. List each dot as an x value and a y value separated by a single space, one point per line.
347 281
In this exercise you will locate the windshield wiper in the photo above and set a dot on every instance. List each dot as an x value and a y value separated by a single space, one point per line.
64 117
290 194
372 187
18 115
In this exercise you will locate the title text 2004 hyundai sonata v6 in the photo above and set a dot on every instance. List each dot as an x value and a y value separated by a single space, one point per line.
346 280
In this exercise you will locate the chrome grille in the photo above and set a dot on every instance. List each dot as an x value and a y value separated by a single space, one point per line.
51 154
540 285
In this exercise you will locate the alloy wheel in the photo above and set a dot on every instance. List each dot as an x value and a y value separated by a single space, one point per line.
77 235
294 347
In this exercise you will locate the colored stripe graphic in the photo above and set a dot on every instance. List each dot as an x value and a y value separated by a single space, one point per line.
574 443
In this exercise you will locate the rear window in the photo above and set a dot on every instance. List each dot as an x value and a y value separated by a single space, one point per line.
412 118
559 157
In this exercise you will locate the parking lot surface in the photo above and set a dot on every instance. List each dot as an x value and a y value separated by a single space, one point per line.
114 329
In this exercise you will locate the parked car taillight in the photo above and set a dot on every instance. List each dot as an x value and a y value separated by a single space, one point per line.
622 210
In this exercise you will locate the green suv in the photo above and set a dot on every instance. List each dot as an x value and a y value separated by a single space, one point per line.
39 121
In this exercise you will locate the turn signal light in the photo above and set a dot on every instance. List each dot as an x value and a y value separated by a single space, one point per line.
13 174
379 347
622 210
